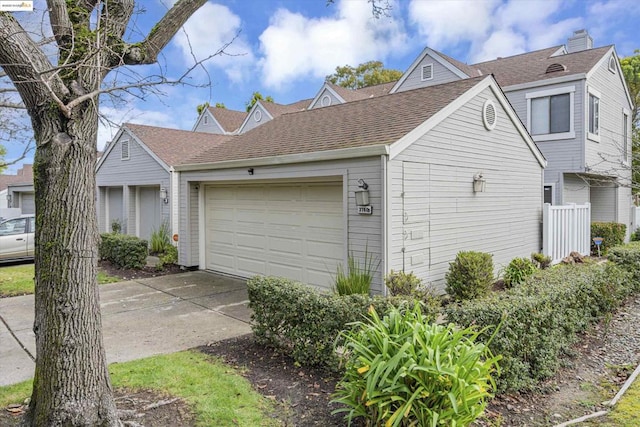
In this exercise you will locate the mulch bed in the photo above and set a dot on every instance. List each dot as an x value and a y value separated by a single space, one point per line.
133 274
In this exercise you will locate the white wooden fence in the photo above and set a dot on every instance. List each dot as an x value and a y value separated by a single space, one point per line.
565 229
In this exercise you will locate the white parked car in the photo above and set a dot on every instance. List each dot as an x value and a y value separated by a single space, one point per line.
17 238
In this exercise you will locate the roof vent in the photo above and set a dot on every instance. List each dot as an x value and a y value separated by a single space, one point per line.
554 68
489 114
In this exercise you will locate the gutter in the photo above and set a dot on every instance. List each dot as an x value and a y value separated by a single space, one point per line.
316 156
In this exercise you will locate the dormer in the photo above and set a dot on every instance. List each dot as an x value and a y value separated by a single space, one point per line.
258 115
432 68
219 120
326 96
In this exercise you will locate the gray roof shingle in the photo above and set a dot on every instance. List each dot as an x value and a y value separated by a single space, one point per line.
230 120
372 121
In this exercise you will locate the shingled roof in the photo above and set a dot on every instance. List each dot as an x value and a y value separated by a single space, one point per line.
350 95
230 120
532 66
372 121
174 145
279 109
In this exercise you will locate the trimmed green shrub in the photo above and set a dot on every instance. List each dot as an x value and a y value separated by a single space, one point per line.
542 261
304 323
517 271
116 226
402 370
123 250
628 258
635 236
357 279
543 316
170 256
401 283
612 233
470 275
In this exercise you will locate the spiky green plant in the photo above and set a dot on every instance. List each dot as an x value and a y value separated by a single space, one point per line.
358 276
402 370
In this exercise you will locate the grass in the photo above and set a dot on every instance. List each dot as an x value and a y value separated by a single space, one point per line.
216 393
18 280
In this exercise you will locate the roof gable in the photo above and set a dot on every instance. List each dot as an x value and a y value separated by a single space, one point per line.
378 121
436 57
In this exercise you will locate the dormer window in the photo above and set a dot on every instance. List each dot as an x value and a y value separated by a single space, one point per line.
257 116
325 101
124 145
427 72
612 64
205 120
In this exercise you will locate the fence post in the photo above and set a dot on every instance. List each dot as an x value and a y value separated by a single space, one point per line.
547 227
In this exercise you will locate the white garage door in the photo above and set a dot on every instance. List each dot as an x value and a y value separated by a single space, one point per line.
294 231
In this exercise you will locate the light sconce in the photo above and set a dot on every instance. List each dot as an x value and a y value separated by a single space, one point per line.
479 183
250 170
9 199
362 195
163 195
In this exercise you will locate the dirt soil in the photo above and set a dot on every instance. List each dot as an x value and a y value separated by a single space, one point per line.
132 274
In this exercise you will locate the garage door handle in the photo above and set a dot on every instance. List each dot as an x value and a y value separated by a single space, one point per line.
17 240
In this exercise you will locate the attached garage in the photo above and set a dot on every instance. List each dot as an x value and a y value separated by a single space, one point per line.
282 229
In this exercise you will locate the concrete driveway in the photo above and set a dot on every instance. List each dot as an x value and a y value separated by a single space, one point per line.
140 318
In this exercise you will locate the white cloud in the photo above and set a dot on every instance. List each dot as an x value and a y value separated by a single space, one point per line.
295 46
108 128
492 28
442 23
210 29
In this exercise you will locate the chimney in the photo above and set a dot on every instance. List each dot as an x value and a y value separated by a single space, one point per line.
581 40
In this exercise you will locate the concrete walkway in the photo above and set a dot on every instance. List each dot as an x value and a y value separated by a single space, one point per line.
140 318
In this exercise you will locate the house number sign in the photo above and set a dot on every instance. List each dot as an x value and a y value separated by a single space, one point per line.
365 210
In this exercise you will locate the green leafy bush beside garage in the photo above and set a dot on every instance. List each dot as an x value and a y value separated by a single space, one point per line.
123 250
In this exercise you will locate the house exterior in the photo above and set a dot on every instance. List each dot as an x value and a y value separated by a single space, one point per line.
221 121
575 103
136 182
280 199
16 193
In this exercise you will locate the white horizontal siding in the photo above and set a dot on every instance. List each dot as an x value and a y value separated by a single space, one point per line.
503 221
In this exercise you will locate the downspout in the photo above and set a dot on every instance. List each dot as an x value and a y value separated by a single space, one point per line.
174 185
386 218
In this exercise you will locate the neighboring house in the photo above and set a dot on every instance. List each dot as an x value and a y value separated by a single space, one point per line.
575 103
281 199
263 112
220 121
16 191
136 180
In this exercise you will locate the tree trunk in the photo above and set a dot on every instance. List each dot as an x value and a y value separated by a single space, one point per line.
71 385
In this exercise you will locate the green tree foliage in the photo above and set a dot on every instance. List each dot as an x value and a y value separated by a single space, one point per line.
255 97
631 71
220 105
366 74
3 152
200 108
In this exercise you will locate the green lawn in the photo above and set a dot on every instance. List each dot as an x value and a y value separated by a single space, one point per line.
216 393
18 280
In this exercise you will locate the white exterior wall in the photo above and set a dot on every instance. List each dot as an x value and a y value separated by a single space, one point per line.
210 125
139 170
441 74
504 220
332 97
363 231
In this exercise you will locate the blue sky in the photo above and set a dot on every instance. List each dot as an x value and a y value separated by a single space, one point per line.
285 48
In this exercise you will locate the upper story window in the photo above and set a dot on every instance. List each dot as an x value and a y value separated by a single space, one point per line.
205 120
427 72
550 114
124 145
593 115
612 64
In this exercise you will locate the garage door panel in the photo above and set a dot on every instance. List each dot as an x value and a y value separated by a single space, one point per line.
289 230
251 241
289 246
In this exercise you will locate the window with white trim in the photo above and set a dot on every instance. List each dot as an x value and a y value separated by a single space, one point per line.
612 64
427 72
205 120
548 194
550 114
124 145
593 115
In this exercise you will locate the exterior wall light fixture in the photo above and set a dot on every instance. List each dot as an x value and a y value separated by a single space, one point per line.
479 183
250 171
164 195
362 195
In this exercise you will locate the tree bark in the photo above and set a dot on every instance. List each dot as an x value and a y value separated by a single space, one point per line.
71 385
